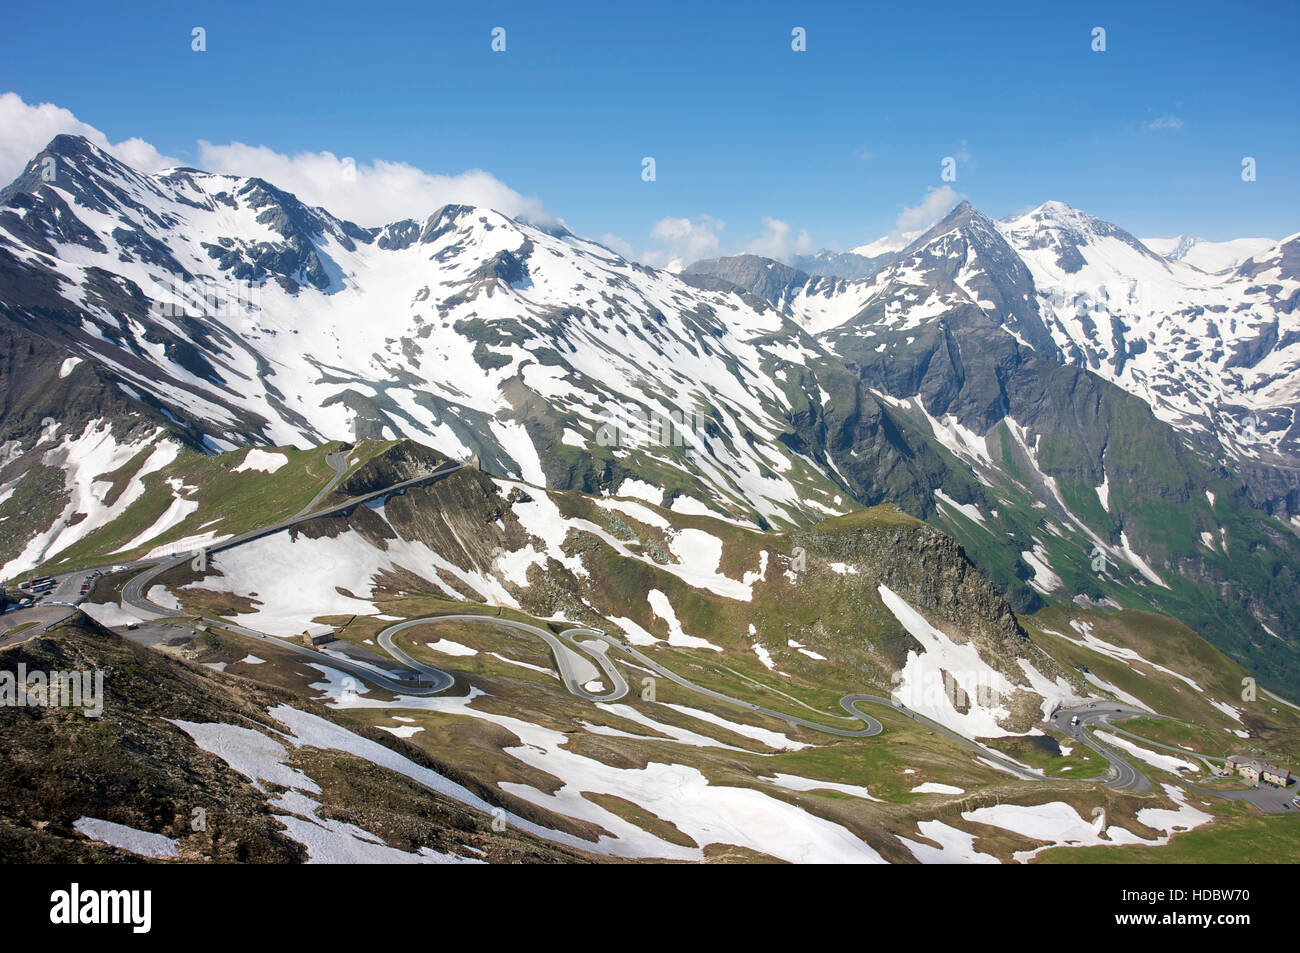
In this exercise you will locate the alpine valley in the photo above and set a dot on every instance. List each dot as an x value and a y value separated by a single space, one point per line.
465 539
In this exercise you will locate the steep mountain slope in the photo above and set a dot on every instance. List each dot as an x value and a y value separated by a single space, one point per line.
958 391
657 574
1217 356
794 293
850 264
248 317
871 602
954 382
1212 354
206 767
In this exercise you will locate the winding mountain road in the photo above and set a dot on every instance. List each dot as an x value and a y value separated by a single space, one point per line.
391 681
563 651
338 462
1124 777
133 591
572 652
849 703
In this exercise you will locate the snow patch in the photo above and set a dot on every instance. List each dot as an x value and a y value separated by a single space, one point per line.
141 843
262 460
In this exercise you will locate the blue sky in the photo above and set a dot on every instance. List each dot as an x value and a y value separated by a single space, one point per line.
835 141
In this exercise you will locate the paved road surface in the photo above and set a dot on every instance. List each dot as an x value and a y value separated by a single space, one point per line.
871 726
1266 797
416 684
385 679
45 618
133 591
849 703
338 462
1279 698
1206 759
1123 776
560 649
568 650
66 589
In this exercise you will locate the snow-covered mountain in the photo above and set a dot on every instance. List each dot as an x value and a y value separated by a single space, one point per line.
841 264
1038 354
1215 355
247 316
1046 389
888 244
1213 257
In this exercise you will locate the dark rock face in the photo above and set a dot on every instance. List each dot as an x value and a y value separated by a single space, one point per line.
764 277
402 461
399 235
1289 261
507 266
130 766
842 265
932 573
32 389
771 280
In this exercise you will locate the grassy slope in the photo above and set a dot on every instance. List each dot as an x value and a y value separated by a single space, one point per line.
1261 556
229 502
133 767
837 615
1238 835
1161 641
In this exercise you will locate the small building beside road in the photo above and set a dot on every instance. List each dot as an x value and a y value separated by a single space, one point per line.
1253 770
1272 774
315 635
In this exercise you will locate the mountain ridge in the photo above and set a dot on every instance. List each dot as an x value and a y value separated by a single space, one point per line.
943 382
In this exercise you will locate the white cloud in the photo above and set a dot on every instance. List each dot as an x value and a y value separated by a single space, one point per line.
682 241
913 220
26 129
777 242
934 206
615 243
686 241
374 193
1163 122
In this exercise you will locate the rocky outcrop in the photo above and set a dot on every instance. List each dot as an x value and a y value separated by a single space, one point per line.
933 574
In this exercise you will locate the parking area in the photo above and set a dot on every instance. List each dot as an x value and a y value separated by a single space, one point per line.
44 590
23 624
1267 797
154 634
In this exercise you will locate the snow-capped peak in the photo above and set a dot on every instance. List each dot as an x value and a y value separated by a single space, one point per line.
1211 257
893 242
249 317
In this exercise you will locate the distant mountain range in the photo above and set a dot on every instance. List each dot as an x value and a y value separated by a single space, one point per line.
1095 422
